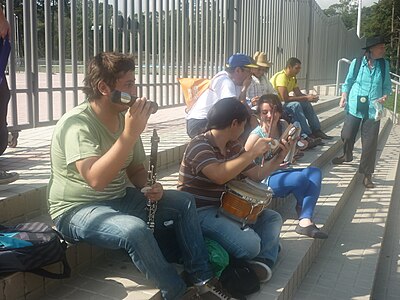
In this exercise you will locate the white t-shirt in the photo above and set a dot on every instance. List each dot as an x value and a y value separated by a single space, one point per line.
221 87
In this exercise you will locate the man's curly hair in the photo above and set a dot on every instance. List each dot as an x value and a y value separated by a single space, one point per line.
107 67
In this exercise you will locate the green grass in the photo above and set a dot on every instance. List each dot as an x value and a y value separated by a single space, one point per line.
389 103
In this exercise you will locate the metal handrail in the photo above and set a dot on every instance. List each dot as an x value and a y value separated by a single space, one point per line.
395 75
396 94
338 72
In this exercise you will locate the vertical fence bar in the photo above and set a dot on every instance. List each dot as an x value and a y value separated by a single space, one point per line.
395 104
115 25
191 33
147 39
165 34
95 27
61 55
34 65
85 34
48 57
161 66
185 38
153 49
106 23
173 50
196 25
141 41
124 28
74 56
133 29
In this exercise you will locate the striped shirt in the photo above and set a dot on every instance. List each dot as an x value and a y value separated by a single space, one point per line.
259 87
200 153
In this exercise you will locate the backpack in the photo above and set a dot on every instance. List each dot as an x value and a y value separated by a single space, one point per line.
28 247
239 279
357 69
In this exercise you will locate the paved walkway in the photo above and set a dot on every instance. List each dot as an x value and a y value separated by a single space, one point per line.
345 266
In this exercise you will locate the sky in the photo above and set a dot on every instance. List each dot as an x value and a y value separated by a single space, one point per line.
326 3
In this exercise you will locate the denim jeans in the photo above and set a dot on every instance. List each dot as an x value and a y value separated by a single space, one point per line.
195 127
4 99
302 112
305 184
121 223
259 240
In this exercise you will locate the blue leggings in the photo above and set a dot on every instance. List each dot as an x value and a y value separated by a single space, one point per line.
305 184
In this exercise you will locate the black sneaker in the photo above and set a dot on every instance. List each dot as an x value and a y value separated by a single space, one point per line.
213 290
341 159
320 134
313 142
6 177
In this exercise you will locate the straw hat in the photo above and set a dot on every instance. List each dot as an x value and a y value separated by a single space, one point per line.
261 59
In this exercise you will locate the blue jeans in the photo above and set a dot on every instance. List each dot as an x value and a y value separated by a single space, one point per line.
4 99
305 184
195 127
259 240
302 112
121 224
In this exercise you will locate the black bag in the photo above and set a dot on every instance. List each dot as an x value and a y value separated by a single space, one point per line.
31 246
363 106
239 279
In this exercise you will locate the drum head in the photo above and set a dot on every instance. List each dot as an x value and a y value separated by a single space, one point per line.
250 189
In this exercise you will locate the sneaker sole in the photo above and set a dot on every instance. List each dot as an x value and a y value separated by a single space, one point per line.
268 269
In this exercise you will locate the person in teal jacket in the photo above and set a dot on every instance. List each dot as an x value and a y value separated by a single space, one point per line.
362 95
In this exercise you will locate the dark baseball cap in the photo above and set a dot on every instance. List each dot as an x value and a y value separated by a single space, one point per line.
241 60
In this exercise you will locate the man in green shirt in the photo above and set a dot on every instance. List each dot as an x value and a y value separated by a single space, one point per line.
94 148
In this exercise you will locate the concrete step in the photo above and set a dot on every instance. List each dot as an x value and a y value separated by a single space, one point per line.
387 276
299 252
325 90
346 264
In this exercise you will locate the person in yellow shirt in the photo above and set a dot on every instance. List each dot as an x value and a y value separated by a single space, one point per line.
299 105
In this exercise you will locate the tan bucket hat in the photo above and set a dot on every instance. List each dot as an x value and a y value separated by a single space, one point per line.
261 59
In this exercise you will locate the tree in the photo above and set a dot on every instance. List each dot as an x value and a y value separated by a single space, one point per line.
382 18
385 20
347 10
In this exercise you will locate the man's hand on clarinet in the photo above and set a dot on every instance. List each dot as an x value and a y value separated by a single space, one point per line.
154 192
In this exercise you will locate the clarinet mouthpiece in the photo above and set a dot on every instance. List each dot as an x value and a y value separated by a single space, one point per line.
119 97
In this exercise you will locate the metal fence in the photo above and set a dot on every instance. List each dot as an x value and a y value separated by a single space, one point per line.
170 39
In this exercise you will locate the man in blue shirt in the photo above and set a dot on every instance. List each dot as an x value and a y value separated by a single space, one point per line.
363 94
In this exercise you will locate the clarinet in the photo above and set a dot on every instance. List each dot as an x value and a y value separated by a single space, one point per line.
151 178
